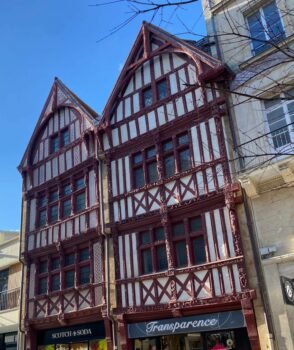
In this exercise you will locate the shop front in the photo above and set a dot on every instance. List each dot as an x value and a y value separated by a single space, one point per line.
217 331
89 336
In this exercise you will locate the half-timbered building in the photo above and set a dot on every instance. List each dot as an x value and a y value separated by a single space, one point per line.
180 274
63 300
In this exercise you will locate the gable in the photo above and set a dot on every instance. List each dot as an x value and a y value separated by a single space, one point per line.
59 111
155 55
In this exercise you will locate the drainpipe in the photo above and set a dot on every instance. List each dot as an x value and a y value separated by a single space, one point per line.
21 332
259 270
106 245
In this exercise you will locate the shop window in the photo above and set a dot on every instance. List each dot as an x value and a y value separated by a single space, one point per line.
69 279
265 27
153 250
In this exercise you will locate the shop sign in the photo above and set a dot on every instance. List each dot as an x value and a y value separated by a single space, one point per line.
197 323
74 333
288 290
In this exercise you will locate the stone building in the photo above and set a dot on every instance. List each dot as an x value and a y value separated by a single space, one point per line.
10 282
255 40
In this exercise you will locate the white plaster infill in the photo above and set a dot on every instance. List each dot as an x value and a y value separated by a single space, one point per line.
279 259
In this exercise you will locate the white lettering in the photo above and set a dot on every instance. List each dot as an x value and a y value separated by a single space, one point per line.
154 326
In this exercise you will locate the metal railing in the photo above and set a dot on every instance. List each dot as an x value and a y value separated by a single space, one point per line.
9 299
265 149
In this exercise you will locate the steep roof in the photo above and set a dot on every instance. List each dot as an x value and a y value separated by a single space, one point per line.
59 96
141 52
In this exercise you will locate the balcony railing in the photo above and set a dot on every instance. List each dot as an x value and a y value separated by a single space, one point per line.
9 299
265 149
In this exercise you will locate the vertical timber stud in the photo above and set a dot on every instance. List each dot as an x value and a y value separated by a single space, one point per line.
248 313
108 333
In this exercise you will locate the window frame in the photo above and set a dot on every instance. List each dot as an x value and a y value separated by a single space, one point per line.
267 41
287 116
153 88
45 202
151 246
59 138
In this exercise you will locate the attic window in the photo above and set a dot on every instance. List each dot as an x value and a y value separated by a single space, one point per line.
147 97
59 140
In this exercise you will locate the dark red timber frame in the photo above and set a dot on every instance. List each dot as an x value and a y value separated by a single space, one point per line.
65 234
206 201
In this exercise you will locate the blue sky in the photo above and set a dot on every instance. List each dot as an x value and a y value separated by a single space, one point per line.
43 39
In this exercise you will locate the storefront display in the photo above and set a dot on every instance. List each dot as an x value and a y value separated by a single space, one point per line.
218 331
90 336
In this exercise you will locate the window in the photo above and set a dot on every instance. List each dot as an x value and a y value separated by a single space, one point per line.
84 254
185 236
43 267
265 27
55 283
280 117
69 259
55 263
176 157
59 140
61 202
54 143
76 271
64 138
147 97
160 89
53 213
145 167
153 250
43 285
183 152
168 158
85 275
80 202
69 279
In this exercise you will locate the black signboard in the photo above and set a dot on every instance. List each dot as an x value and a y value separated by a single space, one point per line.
288 290
82 332
197 323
